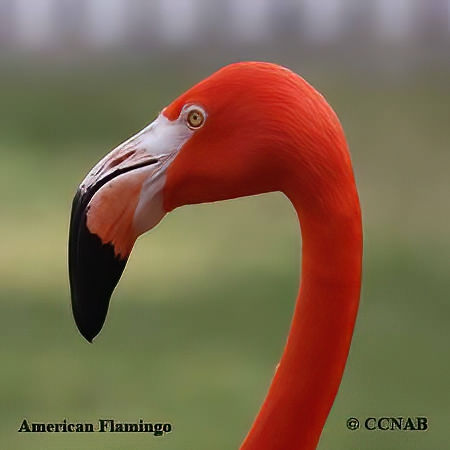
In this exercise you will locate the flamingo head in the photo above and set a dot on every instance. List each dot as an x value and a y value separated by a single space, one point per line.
233 134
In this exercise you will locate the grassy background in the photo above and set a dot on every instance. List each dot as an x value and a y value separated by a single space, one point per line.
200 317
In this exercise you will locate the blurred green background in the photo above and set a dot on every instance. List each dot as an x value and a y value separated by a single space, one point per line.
199 320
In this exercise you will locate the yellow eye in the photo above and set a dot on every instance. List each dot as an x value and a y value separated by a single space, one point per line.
195 119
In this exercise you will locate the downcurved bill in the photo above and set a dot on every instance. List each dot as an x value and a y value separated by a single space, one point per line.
119 200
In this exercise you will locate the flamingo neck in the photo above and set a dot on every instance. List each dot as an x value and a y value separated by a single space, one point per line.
309 374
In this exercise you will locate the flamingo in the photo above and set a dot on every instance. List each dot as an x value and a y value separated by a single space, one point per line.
249 128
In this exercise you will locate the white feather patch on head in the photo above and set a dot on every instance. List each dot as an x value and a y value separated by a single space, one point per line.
164 139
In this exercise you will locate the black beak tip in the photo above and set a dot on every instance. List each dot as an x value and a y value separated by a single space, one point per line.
86 327
94 271
88 334
89 323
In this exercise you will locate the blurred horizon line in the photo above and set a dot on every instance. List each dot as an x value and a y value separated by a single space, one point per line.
405 29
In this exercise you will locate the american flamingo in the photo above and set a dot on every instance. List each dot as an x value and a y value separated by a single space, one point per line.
249 128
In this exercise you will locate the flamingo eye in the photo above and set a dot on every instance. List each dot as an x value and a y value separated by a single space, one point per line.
195 119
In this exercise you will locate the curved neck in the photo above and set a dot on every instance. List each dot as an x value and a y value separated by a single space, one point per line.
310 371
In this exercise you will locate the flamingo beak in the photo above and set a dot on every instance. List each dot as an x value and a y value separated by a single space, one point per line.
120 199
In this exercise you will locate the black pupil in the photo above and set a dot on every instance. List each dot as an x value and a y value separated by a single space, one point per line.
195 117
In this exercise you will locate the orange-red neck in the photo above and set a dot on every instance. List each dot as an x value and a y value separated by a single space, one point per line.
310 371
